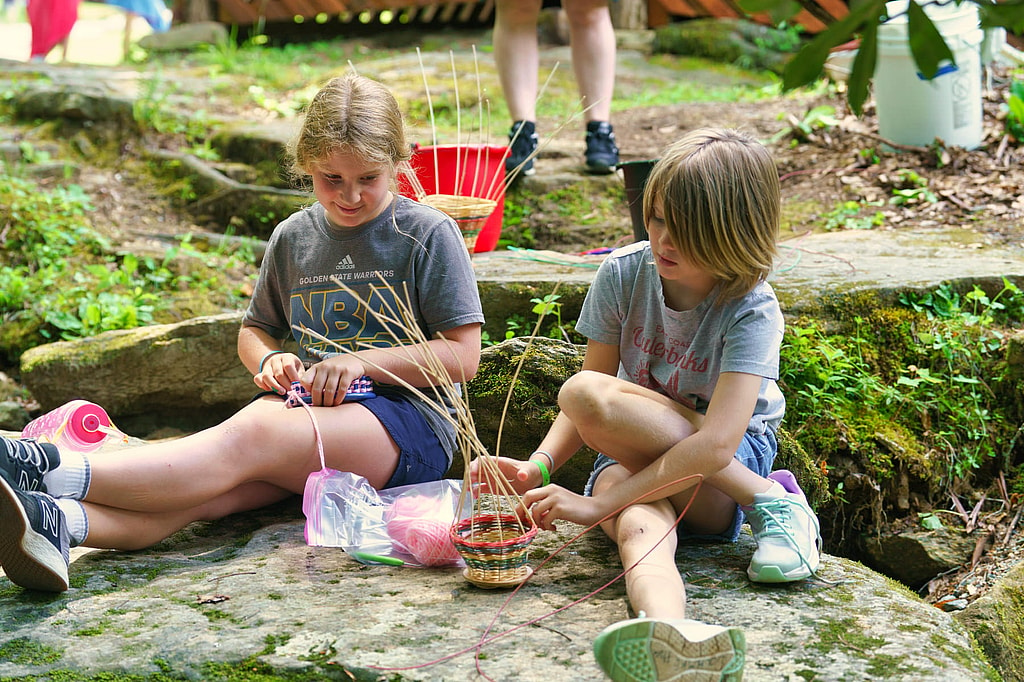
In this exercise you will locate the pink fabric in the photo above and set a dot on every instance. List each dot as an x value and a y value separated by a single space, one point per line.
51 22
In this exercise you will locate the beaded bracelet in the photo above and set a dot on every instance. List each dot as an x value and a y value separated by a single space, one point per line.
545 475
273 352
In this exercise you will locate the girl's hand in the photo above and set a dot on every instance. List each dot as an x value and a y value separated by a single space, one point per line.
521 475
553 502
278 373
328 380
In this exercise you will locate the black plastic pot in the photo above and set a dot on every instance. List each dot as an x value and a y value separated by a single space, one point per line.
635 175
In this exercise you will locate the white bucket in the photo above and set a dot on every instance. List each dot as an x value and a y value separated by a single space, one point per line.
915 111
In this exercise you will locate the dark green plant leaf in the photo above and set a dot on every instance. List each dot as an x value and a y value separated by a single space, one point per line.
859 83
1007 14
926 43
806 66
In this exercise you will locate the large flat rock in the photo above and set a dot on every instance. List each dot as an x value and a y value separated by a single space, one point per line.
246 596
816 264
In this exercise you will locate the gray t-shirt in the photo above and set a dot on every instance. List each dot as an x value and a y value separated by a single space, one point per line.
682 353
414 248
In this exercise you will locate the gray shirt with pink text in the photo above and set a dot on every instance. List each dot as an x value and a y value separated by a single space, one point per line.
681 354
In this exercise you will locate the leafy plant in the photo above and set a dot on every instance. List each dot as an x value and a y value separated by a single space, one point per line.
59 279
543 308
1015 111
547 306
827 373
926 44
801 130
869 156
847 216
155 109
940 387
911 189
947 386
929 521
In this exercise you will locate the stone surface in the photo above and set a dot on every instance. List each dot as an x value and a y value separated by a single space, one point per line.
994 620
247 595
915 556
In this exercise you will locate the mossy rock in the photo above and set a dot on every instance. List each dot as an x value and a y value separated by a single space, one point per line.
734 41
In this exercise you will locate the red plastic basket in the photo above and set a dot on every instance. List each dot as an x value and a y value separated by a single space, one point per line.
464 170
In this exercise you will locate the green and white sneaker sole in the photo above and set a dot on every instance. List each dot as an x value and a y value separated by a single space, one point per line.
654 651
779 574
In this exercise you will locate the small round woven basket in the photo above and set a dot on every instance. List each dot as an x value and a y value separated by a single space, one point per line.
469 213
495 547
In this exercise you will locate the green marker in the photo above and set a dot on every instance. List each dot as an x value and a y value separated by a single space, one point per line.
378 559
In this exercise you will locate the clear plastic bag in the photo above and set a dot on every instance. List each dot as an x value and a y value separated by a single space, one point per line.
407 525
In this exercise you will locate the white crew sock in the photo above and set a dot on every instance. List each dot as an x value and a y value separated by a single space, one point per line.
71 478
75 519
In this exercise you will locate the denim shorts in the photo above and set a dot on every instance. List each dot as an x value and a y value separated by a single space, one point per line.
421 457
756 452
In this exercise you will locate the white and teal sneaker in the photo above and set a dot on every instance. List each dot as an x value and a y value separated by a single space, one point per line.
651 650
34 544
787 533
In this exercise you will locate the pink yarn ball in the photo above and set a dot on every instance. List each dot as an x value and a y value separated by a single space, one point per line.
419 526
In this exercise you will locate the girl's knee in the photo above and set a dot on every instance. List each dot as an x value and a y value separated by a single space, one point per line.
586 395
646 525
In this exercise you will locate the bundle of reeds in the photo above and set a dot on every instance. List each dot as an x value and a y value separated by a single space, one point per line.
494 538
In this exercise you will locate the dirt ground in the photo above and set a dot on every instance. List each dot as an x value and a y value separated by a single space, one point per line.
846 160
837 174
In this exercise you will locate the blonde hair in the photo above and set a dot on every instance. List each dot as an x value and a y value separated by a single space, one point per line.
355 115
720 199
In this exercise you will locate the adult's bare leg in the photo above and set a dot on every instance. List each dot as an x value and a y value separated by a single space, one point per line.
593 55
516 55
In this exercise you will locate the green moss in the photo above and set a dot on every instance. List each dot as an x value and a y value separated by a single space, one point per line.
796 214
26 652
844 634
887 666
91 631
563 215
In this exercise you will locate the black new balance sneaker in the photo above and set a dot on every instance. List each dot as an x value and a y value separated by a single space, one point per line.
522 143
26 461
602 153
34 541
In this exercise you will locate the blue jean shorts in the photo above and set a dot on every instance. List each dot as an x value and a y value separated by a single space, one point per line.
421 457
756 452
